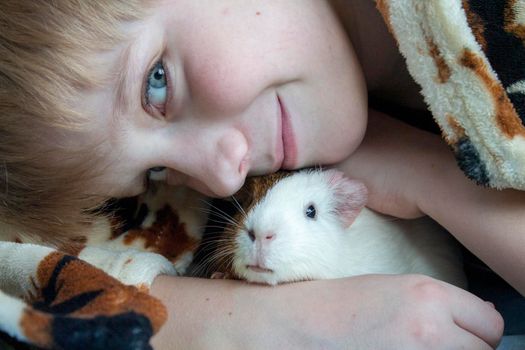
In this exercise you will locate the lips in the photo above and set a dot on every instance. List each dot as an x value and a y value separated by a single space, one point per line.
288 138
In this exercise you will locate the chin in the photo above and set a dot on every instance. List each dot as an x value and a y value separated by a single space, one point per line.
331 154
339 154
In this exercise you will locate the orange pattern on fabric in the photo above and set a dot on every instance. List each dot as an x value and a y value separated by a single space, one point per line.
444 71
37 328
459 131
476 24
510 24
384 8
506 116
79 277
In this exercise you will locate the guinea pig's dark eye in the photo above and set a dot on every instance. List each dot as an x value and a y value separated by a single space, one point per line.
310 211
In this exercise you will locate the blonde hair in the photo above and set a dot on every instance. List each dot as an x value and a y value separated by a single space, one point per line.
44 52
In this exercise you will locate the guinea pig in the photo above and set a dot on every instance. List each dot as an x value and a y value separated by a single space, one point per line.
313 224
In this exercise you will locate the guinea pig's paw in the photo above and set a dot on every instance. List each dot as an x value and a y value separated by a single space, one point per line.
350 195
182 262
218 275
129 266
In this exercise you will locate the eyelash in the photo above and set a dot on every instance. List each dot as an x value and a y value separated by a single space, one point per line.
152 109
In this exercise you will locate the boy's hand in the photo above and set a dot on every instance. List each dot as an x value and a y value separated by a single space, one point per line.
409 172
365 312
397 163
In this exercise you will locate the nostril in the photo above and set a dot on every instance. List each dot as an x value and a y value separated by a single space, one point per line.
270 236
251 234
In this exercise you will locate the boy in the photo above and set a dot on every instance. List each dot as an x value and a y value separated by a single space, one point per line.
205 93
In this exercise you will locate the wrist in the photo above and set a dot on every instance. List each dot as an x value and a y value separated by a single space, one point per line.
439 179
195 307
219 314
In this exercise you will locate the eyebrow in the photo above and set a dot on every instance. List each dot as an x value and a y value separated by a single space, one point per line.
125 78
132 65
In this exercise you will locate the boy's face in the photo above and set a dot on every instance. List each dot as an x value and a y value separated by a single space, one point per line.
218 90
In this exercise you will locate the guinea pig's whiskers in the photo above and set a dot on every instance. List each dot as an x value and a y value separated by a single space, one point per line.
317 168
204 209
221 214
220 227
222 262
220 256
226 219
239 207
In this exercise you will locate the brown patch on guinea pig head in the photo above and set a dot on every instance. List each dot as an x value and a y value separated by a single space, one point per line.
256 187
219 261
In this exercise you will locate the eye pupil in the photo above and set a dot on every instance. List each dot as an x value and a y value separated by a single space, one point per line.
311 212
159 74
157 77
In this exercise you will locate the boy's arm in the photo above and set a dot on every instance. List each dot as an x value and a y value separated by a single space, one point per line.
401 312
410 172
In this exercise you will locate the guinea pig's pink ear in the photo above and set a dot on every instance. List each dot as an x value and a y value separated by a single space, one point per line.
350 195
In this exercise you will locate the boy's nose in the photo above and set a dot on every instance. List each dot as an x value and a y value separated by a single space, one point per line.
216 162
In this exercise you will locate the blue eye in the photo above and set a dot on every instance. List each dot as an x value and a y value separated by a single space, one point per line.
156 92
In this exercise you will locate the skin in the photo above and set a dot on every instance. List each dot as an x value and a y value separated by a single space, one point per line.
228 62
438 188
396 309
222 121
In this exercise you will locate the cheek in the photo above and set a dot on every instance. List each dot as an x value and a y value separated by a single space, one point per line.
331 140
227 66
221 85
349 134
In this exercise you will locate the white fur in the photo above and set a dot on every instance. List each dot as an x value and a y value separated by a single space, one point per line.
18 265
131 266
321 248
11 315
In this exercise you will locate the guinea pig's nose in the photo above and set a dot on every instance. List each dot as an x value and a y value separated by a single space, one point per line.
267 236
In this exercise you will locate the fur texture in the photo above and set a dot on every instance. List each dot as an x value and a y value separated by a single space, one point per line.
468 58
277 239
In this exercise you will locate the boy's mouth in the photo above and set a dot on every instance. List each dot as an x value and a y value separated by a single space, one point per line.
288 138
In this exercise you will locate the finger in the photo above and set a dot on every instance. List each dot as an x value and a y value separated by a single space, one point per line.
478 317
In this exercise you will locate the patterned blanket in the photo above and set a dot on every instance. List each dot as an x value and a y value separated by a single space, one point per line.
467 56
92 292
